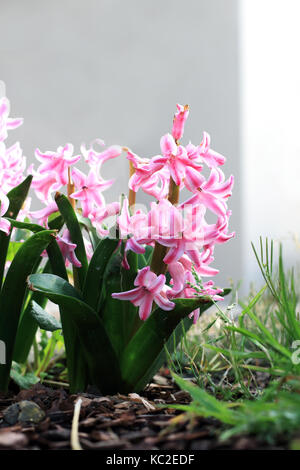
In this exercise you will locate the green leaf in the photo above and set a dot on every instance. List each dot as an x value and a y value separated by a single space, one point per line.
12 294
25 225
54 286
100 356
148 343
45 320
13 248
27 325
94 278
73 225
24 381
16 198
27 330
54 224
111 310
171 345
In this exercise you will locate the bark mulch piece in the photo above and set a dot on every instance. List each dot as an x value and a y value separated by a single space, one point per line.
118 422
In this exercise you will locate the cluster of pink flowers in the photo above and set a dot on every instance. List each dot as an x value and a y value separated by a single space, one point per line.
179 227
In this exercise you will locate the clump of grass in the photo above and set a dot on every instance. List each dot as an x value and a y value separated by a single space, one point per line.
247 367
275 412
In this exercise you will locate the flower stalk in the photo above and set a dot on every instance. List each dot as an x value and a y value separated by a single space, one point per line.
71 189
131 194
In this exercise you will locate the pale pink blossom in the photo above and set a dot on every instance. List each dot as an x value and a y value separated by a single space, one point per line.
150 288
57 163
213 193
44 185
176 158
149 175
12 166
89 190
99 215
180 231
209 156
94 158
7 123
42 215
218 232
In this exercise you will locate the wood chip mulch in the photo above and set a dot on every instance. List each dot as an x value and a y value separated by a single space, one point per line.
118 422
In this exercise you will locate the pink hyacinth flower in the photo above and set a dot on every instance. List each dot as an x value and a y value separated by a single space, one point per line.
209 156
176 158
67 248
89 191
42 215
94 158
149 175
217 233
179 121
7 123
12 166
98 217
188 236
213 192
150 288
57 163
44 185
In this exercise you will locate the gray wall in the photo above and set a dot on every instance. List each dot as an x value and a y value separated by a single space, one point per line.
115 69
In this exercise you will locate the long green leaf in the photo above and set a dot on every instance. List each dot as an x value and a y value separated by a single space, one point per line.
73 225
16 198
28 326
44 320
12 295
170 346
111 310
54 224
94 278
149 341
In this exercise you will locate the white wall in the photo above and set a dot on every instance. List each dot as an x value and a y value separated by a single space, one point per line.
270 112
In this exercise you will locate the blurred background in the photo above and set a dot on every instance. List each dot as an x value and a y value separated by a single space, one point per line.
78 70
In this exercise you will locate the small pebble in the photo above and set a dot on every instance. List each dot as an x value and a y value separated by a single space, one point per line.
23 412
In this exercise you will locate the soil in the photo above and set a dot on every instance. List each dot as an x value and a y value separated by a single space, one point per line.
118 422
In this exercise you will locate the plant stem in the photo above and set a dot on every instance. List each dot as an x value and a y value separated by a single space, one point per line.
132 194
70 189
36 354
